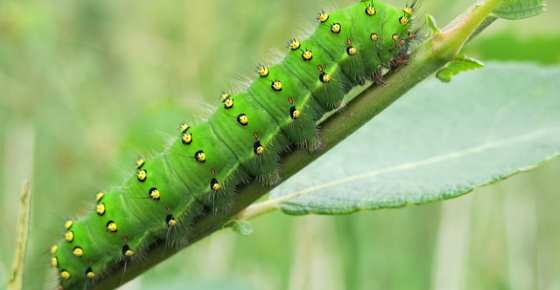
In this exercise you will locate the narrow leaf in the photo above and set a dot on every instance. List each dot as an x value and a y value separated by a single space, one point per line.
519 9
456 66
432 24
438 142
242 227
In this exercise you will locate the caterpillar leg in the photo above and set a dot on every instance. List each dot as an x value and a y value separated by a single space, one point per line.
377 78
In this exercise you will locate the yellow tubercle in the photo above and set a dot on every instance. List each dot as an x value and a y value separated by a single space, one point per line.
200 156
325 78
323 17
228 103
155 194
129 253
90 275
370 10
65 275
243 119
336 28
99 196
307 55
224 97
184 127
100 209
139 163
78 252
112 227
263 71
294 44
69 236
408 10
186 138
296 114
403 20
277 85
141 175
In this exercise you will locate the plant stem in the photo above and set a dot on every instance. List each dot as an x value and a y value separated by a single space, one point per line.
430 56
16 279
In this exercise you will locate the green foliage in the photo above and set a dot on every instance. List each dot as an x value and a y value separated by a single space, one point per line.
509 46
519 9
458 65
432 24
179 284
242 227
439 142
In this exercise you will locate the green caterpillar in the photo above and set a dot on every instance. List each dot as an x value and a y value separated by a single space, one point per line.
240 142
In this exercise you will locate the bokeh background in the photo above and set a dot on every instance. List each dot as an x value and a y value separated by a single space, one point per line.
87 86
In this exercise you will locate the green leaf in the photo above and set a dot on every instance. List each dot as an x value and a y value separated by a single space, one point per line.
508 46
432 24
438 142
241 227
519 9
180 283
456 66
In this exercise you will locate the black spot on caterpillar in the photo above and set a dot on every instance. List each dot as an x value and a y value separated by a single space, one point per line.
241 141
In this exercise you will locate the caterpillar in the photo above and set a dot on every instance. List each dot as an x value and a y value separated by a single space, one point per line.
240 142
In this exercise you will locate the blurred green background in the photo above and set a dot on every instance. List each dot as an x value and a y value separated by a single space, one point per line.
87 86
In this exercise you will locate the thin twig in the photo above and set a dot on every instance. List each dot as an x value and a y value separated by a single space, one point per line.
16 278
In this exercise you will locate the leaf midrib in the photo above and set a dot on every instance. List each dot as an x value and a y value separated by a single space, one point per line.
534 135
